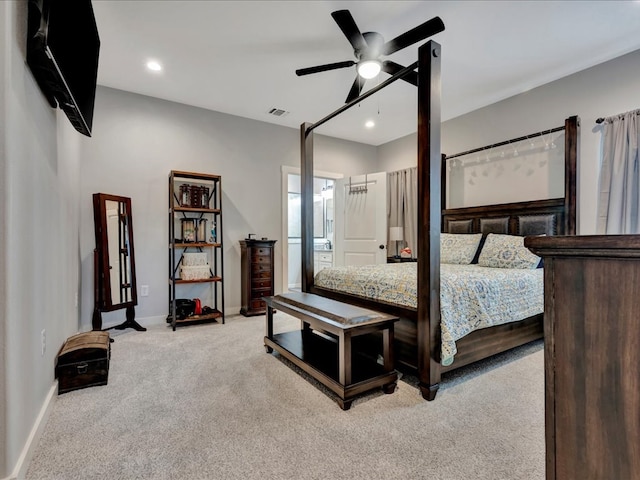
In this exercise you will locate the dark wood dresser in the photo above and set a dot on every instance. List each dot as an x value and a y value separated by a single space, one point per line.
257 275
592 355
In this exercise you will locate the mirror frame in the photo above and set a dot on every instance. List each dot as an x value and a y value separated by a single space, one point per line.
104 300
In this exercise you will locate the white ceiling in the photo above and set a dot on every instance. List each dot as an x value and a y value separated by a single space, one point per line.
240 57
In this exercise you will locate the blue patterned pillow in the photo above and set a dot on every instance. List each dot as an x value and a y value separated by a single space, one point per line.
459 248
506 251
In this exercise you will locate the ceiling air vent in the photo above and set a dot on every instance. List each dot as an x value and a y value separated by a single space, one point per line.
278 112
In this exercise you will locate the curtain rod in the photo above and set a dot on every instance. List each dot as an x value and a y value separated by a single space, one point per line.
506 142
602 119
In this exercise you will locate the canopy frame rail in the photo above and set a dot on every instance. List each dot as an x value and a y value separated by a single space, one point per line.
306 153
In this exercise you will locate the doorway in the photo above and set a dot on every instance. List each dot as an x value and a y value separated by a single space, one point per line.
323 228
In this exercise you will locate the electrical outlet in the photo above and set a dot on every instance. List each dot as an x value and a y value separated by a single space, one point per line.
144 290
43 341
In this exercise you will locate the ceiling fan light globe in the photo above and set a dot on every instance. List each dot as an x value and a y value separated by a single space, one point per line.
369 69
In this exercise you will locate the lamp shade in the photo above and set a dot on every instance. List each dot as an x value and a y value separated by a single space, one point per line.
395 233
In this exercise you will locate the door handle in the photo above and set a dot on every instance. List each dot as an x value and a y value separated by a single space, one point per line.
381 247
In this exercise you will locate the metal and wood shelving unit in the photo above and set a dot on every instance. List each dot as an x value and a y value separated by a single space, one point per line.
195 226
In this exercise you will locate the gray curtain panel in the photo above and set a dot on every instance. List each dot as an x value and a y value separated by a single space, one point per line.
619 200
402 206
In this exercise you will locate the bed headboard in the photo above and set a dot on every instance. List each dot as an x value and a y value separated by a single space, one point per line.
522 218
549 217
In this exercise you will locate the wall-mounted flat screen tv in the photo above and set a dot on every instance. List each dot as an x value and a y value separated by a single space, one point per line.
62 52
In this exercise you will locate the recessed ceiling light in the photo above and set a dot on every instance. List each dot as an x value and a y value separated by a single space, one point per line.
154 66
370 124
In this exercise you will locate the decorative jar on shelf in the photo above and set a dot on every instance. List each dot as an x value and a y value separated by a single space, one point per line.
188 228
185 195
201 232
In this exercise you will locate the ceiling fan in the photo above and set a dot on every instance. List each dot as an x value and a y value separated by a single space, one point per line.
368 47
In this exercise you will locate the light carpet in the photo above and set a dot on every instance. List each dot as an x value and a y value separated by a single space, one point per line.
207 402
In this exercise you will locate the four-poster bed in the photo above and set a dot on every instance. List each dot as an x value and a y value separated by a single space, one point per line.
417 337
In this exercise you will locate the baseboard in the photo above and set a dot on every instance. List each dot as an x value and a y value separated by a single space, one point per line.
22 465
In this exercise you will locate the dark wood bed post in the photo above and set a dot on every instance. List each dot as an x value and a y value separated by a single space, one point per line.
572 140
306 185
429 218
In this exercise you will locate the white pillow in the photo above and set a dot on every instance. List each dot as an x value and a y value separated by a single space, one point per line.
459 248
506 251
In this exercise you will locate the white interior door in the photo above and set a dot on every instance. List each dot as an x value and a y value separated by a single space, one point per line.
361 220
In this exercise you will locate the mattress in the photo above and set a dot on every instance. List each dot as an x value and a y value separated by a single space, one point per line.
471 297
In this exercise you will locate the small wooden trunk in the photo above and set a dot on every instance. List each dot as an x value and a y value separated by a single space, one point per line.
83 361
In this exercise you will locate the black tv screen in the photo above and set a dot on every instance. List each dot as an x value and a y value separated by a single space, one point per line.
62 52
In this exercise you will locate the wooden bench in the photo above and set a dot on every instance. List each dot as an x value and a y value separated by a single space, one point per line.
323 347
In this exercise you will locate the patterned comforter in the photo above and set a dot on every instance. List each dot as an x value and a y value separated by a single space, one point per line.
471 297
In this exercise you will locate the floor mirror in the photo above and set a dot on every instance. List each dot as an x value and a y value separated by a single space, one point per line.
114 261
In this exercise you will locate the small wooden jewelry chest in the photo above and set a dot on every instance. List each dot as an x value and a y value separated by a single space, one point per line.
83 361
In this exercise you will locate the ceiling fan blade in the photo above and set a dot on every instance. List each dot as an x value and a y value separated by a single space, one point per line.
356 88
324 68
348 26
428 28
392 68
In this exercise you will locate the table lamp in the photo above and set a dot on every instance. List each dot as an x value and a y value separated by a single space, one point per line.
396 235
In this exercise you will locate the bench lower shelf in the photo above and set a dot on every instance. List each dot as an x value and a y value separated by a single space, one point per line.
317 355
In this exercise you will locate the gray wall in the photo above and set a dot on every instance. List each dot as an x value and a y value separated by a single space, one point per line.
603 90
138 140
39 271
